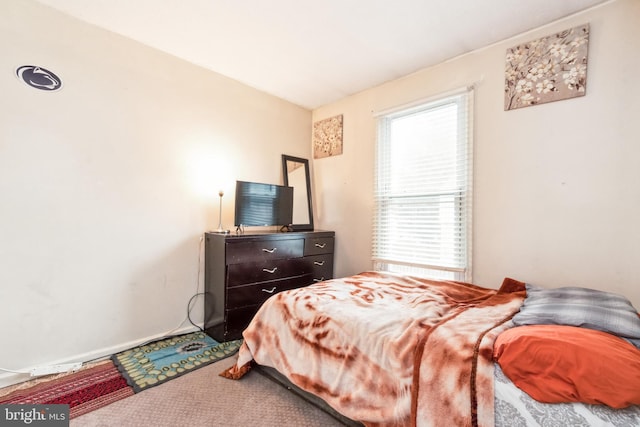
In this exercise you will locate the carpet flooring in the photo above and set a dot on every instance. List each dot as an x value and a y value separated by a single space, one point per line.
199 398
203 398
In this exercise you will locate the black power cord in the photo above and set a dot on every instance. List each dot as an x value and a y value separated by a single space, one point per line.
189 310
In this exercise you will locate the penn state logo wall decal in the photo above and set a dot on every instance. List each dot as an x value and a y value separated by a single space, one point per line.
39 78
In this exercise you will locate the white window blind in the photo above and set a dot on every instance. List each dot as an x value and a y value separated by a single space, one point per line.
422 220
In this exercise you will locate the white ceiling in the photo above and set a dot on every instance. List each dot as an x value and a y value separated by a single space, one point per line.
315 52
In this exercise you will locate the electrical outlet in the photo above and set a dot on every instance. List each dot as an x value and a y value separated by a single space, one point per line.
55 369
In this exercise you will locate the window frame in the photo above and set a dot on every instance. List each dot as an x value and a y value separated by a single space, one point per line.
463 98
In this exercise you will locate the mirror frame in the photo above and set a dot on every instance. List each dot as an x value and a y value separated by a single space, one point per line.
305 162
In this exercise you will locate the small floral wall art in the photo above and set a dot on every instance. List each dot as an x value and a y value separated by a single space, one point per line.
327 137
547 69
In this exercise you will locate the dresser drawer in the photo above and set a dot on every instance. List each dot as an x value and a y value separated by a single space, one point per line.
252 272
237 320
242 296
318 245
239 252
321 267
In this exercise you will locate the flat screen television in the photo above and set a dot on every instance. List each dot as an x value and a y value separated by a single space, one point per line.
260 204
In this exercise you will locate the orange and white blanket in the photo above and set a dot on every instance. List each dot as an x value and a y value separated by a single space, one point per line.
387 350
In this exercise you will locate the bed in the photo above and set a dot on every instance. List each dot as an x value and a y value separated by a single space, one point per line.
389 350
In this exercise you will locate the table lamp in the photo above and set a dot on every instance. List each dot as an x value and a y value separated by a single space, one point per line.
220 229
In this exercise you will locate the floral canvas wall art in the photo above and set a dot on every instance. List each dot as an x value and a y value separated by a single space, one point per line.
547 69
327 137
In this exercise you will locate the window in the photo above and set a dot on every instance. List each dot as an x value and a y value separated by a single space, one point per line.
422 219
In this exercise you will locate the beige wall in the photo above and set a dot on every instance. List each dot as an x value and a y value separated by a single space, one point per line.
107 185
557 186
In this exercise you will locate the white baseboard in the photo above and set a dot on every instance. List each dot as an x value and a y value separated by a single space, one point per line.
10 378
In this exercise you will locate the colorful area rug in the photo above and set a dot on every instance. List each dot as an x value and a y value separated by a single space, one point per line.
126 373
84 391
155 363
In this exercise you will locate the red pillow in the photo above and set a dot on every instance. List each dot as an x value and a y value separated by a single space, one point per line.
556 363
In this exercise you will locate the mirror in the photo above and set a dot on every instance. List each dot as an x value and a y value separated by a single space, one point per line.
296 174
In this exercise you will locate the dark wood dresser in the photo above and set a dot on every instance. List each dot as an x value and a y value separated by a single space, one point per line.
242 271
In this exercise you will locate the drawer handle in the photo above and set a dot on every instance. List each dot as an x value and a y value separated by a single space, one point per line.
273 270
269 291
318 262
319 280
321 245
269 250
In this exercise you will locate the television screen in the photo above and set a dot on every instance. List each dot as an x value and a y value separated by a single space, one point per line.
260 204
